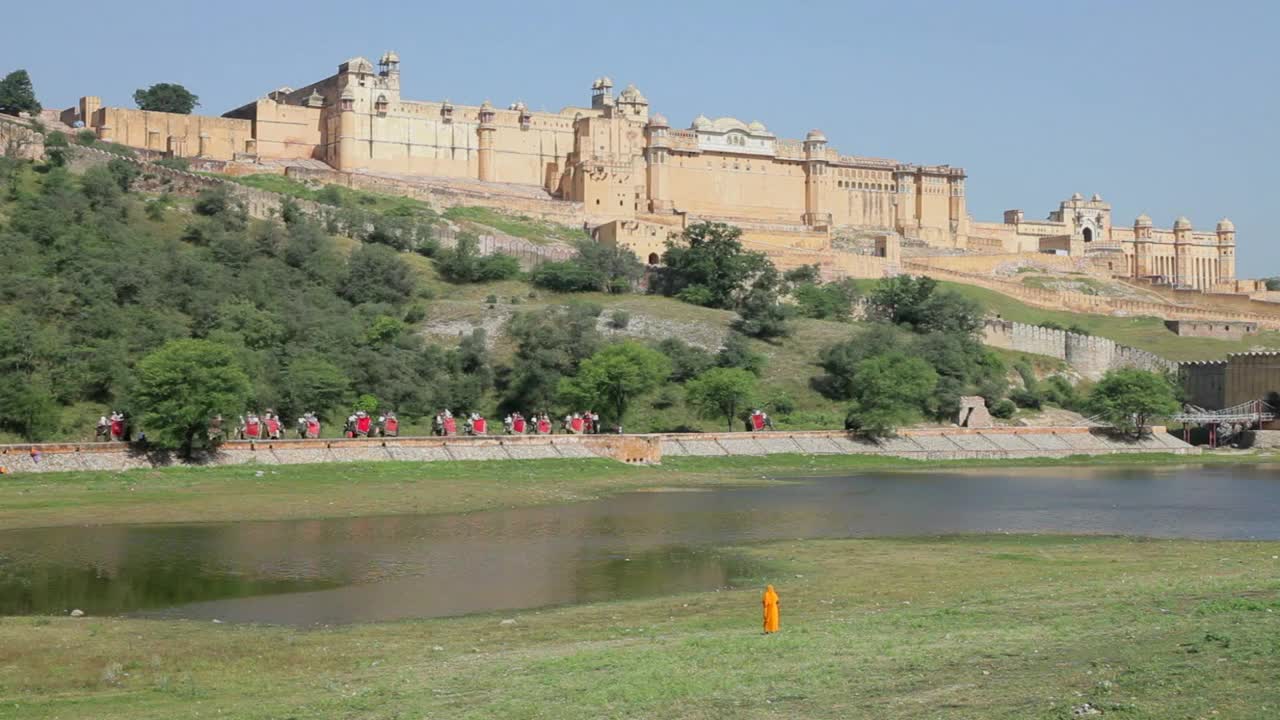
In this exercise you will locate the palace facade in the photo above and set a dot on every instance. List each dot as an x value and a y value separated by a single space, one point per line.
637 178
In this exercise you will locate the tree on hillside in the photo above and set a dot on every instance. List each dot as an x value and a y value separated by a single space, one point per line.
1130 398
596 267
27 407
463 263
760 314
889 391
840 360
550 345
616 267
166 97
17 95
312 384
182 386
829 301
737 353
615 376
376 273
897 300
707 266
687 361
722 393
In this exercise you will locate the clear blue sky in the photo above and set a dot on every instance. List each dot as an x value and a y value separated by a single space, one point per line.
1165 107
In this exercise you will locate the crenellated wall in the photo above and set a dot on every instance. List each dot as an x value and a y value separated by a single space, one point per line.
1265 314
1089 355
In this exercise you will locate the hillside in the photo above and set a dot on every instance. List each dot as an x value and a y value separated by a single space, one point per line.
107 267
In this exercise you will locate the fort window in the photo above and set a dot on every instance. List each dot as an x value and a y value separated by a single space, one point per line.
1088 234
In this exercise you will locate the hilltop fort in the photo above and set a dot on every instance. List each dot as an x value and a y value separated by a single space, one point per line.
622 169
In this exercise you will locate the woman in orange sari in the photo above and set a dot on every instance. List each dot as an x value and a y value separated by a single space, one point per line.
770 610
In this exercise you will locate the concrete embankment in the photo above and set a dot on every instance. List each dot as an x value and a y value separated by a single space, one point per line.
939 444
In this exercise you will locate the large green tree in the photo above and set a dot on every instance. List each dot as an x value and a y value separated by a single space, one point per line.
377 274
17 95
27 407
920 305
183 385
312 384
1129 399
760 315
889 392
166 97
722 393
615 376
463 263
595 267
550 345
708 266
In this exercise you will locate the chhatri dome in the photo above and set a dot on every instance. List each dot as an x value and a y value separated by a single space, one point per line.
1144 220
632 94
1225 225
658 120
1182 223
815 135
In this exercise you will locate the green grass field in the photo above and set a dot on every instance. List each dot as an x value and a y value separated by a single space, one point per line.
999 627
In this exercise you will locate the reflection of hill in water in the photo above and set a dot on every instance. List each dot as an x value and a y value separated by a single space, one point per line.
51 588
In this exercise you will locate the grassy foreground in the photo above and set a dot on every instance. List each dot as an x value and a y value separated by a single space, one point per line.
963 627
265 492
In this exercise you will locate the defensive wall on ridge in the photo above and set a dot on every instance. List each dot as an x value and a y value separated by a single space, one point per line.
1265 314
1090 355
933 444
20 141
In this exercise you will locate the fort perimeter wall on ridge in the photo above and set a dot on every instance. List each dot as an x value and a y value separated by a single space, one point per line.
935 444
1090 355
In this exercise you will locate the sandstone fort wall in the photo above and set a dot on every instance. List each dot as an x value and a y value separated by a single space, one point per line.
1091 356
20 141
1267 315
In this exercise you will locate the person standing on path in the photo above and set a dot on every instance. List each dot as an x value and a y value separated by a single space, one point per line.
770 601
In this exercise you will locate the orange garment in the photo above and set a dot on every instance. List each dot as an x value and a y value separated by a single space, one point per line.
770 601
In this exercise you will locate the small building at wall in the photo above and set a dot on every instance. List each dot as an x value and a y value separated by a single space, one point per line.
1220 329
1240 378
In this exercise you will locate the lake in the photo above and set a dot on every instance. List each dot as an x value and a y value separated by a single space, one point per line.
318 572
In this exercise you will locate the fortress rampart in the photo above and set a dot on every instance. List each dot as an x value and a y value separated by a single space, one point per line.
1265 314
936 444
1091 356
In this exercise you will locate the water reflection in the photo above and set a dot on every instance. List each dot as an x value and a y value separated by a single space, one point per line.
380 568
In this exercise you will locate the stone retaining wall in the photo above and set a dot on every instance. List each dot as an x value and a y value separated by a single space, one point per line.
941 444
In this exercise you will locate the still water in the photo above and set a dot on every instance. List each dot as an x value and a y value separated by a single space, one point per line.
311 572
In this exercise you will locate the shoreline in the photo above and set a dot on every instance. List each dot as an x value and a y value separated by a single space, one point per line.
344 490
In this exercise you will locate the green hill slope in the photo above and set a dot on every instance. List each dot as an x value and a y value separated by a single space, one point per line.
100 275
